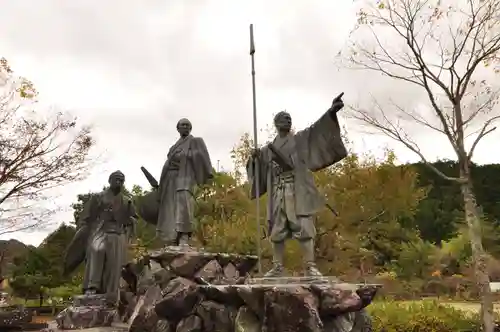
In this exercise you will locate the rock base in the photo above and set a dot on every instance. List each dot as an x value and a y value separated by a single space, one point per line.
14 317
189 291
87 311
113 328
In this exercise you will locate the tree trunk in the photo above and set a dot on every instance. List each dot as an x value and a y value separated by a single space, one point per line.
473 219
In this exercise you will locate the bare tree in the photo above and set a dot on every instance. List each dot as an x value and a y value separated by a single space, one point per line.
39 150
447 49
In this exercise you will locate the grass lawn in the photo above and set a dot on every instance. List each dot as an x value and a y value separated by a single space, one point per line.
471 306
465 306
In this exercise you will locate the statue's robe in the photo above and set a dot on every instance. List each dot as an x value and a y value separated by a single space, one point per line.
188 165
110 220
293 197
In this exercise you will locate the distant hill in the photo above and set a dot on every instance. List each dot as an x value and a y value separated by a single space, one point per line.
11 249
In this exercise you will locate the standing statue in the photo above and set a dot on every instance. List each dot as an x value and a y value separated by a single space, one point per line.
285 167
106 225
188 165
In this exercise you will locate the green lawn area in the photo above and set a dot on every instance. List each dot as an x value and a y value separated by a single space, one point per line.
472 306
465 306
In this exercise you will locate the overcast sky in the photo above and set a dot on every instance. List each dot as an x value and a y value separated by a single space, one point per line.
134 68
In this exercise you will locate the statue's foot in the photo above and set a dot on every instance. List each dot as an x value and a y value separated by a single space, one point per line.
312 270
276 271
90 291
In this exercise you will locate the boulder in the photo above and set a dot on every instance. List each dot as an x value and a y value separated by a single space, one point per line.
179 299
144 317
289 308
191 323
246 321
216 317
212 272
87 311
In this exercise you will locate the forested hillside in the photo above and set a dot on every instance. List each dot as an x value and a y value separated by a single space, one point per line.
390 216
439 214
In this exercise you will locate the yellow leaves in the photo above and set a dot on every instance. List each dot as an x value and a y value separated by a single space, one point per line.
27 90
436 273
4 65
238 236
361 188
388 275
23 87
362 17
381 5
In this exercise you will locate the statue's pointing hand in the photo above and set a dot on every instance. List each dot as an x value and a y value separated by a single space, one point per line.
337 103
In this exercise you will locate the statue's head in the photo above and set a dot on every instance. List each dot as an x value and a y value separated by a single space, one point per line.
184 127
116 181
283 121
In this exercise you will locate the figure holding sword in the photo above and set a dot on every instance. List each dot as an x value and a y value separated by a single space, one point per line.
283 169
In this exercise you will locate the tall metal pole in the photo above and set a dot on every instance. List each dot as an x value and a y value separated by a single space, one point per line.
256 146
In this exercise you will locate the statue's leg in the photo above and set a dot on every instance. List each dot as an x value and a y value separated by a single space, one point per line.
112 272
165 228
184 216
278 257
95 263
304 231
311 269
279 233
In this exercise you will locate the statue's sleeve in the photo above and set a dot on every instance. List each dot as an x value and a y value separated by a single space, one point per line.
201 161
262 165
132 219
321 145
89 212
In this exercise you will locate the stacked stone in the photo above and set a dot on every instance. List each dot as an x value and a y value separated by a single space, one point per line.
170 296
208 292
87 311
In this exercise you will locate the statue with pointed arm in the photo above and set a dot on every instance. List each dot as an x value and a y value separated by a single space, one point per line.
293 198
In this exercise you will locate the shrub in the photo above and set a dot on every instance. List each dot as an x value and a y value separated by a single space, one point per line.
63 293
421 316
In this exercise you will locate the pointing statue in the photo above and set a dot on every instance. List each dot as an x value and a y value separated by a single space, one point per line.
285 172
105 227
188 165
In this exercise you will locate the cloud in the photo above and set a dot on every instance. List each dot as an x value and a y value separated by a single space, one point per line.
132 69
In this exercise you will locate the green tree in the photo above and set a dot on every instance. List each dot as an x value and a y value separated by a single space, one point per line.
376 199
38 151
31 276
41 268
446 50
439 212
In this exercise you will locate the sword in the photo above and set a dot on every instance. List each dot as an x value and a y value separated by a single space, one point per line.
152 181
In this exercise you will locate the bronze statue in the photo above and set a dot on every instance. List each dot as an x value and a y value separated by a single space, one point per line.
104 228
285 173
188 165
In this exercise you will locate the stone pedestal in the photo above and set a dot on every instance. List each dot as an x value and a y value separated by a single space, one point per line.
87 311
14 317
208 292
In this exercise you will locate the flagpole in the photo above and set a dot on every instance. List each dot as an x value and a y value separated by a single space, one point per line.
256 146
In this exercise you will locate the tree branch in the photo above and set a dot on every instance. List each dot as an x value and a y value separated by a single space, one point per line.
394 132
484 131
